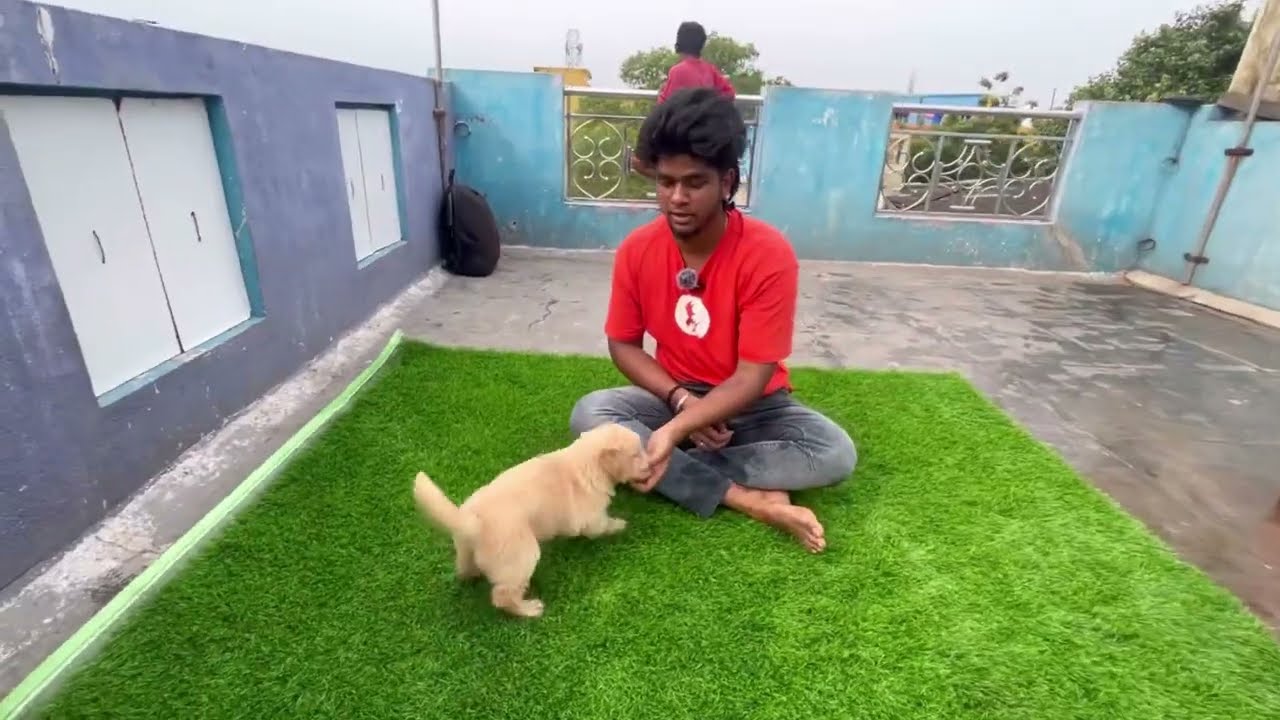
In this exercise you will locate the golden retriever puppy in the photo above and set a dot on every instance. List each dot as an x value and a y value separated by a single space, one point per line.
565 493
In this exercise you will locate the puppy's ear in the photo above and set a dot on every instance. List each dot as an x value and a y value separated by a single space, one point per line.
611 460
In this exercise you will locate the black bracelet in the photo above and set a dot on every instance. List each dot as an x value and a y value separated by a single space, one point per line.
671 393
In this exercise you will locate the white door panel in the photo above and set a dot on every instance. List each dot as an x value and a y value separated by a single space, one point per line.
76 168
377 155
349 144
180 183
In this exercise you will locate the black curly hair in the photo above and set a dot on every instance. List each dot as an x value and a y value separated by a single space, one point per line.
691 37
698 122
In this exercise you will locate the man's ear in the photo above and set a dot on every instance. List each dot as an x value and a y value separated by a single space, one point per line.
726 184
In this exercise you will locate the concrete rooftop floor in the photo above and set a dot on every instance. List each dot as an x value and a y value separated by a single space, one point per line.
1168 407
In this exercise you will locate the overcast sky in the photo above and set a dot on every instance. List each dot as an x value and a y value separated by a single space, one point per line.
860 44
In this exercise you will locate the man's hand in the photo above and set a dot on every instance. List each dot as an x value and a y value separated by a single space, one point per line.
706 415
712 437
662 442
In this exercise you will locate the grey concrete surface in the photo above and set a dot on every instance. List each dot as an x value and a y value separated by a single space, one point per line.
1167 407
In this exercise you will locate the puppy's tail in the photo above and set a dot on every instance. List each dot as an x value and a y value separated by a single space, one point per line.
438 508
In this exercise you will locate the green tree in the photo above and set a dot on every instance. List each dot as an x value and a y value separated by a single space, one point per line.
647 69
998 93
1194 56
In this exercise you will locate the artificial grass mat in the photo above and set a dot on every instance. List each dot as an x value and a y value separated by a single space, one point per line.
970 574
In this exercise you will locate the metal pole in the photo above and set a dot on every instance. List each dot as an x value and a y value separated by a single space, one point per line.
1234 156
438 112
435 28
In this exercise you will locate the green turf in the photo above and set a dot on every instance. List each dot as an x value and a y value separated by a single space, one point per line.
970 575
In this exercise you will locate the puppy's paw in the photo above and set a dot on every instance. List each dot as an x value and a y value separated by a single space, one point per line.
530 609
614 526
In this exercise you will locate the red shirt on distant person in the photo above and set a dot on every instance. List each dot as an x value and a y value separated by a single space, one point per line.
695 72
692 71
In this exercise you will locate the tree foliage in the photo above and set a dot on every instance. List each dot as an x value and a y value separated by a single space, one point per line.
647 69
998 92
1194 56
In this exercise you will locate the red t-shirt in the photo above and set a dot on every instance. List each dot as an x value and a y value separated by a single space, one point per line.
744 307
695 72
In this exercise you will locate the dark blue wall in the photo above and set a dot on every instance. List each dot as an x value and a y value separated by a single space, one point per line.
64 460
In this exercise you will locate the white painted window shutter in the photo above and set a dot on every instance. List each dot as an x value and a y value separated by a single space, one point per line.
76 168
353 174
377 156
182 197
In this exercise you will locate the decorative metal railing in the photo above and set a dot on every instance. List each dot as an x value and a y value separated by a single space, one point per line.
601 126
974 161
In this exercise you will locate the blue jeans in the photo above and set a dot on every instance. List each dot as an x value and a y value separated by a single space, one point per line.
777 444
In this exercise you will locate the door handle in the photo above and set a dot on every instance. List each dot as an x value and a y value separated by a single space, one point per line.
196 223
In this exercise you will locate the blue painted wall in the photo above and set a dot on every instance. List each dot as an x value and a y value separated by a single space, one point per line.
64 460
508 140
1244 249
1136 171
817 171
1118 176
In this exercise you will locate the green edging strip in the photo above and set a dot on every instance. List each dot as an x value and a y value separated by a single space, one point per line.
970 574
47 673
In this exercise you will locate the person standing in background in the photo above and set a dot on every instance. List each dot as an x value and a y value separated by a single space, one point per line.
690 72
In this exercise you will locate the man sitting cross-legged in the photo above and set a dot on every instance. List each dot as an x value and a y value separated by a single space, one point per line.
717 291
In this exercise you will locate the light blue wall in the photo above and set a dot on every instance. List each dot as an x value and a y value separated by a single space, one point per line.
817 172
509 144
1244 249
820 165
1124 156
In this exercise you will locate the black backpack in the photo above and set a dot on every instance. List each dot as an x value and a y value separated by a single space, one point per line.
468 232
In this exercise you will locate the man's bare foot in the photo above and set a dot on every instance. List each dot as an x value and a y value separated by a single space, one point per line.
797 520
775 496
774 508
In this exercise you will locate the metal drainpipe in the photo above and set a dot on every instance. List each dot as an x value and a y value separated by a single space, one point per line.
438 112
1234 156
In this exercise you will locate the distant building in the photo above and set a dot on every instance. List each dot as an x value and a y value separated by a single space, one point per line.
952 99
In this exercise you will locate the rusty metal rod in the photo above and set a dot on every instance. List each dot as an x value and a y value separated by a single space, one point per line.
438 111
